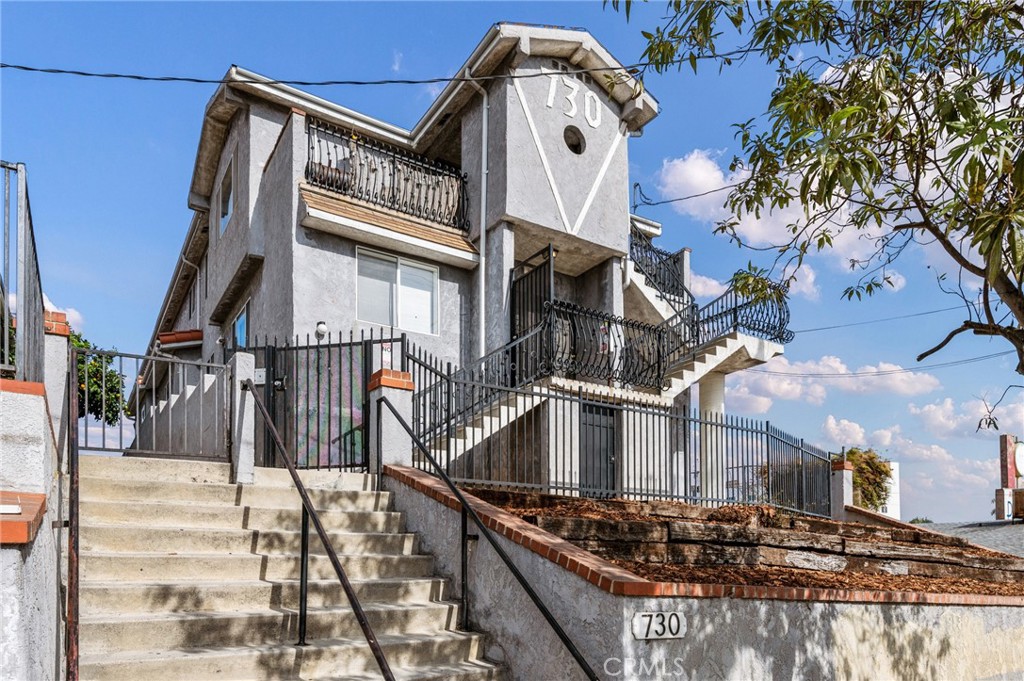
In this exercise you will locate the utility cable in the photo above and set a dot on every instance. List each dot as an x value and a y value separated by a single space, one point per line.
885 372
875 321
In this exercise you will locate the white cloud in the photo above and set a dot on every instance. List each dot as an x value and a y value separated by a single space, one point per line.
740 400
842 432
945 419
706 287
935 482
804 284
896 281
396 61
699 172
809 381
75 318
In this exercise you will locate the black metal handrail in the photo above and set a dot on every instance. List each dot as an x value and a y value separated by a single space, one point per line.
385 175
309 513
765 316
469 511
660 271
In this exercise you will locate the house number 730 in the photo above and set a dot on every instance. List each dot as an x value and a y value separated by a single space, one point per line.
591 104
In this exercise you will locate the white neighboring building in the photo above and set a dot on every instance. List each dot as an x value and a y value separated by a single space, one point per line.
892 504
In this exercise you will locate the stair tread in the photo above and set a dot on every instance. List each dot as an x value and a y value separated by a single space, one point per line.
255 556
385 639
111 583
272 612
238 531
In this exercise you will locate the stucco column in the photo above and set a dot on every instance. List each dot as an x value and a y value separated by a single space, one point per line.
388 437
55 377
841 488
712 412
501 248
242 366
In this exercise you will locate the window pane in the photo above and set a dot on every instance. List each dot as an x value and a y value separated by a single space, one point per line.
225 197
417 299
241 331
377 281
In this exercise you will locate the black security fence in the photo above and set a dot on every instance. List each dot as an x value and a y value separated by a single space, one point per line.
577 443
315 393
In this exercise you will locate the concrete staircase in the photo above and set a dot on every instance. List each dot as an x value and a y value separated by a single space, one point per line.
184 576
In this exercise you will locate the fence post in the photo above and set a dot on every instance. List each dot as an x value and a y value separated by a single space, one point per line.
391 443
241 367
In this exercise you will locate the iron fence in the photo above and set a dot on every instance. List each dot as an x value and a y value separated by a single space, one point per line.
21 336
385 175
315 392
145 405
573 443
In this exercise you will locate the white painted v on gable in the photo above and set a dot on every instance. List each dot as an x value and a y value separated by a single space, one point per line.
572 227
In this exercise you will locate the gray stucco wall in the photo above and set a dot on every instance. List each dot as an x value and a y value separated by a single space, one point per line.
578 178
724 638
325 289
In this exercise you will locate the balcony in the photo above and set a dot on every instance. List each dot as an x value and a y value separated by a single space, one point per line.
385 176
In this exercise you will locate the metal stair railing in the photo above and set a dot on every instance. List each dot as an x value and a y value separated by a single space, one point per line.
660 271
309 513
469 513
764 317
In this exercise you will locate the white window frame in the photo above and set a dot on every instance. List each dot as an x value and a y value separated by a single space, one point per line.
244 310
224 220
398 260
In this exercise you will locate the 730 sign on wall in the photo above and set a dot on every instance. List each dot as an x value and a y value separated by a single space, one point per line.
570 89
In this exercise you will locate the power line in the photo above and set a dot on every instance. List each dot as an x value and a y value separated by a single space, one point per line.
253 81
886 372
875 321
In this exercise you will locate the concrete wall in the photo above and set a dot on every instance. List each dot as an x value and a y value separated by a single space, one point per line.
725 638
592 188
30 638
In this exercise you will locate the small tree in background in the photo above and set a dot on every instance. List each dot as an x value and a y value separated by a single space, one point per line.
871 475
920 520
100 387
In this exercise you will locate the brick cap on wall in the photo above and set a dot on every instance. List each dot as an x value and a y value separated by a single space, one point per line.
389 378
23 527
56 323
615 580
842 465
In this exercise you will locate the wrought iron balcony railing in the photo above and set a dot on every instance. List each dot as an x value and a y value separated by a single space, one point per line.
384 175
764 317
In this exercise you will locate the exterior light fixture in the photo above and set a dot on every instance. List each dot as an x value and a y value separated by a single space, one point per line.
321 330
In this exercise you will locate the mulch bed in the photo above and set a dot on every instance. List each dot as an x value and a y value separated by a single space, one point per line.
532 506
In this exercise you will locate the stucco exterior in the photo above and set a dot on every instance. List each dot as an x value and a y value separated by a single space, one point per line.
723 638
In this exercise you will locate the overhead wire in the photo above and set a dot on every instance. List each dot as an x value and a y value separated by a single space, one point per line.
884 372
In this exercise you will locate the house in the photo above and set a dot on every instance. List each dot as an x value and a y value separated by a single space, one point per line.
314 220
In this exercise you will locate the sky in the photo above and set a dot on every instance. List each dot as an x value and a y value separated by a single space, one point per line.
109 164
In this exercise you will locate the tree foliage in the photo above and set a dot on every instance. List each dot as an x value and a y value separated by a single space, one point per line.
100 385
871 475
894 122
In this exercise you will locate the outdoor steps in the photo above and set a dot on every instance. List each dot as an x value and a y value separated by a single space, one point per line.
487 421
184 575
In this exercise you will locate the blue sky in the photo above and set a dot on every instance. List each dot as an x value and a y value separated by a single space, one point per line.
110 161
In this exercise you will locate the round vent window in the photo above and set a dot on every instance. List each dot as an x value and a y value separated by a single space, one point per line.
574 139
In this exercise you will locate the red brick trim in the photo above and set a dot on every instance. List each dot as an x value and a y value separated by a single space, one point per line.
56 323
842 465
8 385
615 580
22 528
389 378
